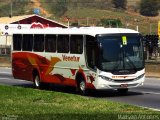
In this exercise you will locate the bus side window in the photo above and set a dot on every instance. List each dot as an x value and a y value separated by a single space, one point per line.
50 43
27 42
63 43
38 43
76 44
90 51
17 41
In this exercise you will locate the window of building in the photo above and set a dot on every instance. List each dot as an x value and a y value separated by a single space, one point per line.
50 43
63 44
17 41
27 42
76 44
38 43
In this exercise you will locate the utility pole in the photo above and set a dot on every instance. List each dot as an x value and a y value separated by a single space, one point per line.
87 22
137 27
11 9
150 27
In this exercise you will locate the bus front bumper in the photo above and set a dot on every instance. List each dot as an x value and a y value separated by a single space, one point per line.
103 84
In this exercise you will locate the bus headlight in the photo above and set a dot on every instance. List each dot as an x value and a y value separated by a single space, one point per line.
139 77
105 78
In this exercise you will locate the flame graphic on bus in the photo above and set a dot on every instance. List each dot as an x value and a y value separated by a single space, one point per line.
24 63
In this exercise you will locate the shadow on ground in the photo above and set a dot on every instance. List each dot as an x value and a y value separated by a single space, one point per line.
90 93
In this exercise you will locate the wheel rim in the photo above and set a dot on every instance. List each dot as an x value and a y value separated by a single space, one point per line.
82 86
37 81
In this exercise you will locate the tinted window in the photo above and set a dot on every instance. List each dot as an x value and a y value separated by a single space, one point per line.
27 42
50 43
121 52
63 44
39 43
76 44
17 41
91 51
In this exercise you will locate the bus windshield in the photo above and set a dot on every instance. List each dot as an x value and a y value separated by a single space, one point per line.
121 53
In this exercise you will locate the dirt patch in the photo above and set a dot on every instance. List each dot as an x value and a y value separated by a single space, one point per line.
152 69
5 62
37 4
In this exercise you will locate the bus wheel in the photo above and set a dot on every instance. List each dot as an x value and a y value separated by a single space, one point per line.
81 87
37 82
123 91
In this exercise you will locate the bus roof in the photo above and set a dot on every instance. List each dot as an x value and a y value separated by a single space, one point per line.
77 31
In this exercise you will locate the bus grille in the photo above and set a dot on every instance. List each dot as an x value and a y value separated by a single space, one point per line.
124 80
118 86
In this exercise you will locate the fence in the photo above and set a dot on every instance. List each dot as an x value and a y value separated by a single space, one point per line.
152 47
5 50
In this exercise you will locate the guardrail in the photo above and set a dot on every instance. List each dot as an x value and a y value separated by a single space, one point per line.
5 49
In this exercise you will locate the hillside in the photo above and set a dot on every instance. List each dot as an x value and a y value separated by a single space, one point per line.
83 13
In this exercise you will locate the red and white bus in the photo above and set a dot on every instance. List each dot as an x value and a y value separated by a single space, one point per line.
86 58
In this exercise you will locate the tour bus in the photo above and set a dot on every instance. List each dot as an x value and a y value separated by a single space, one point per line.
86 57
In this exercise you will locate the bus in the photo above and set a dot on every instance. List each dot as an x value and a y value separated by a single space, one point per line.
86 57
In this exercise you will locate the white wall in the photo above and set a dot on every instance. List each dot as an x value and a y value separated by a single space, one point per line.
5 40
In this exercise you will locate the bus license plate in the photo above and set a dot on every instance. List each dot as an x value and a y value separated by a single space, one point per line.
124 85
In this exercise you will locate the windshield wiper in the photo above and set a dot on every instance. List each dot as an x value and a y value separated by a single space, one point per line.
131 62
120 60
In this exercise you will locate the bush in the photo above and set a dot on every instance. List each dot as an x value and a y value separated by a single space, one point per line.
110 23
149 7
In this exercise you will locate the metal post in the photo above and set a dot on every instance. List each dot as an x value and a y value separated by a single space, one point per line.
68 23
150 28
137 27
11 9
87 21
6 46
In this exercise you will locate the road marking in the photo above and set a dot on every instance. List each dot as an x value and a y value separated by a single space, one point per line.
24 81
154 109
155 78
9 73
146 92
155 93
10 79
5 78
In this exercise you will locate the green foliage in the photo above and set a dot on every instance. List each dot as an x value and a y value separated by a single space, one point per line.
30 104
4 10
110 23
60 7
149 7
75 24
56 7
19 7
120 4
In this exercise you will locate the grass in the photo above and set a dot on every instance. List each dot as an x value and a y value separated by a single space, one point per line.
27 103
127 18
18 7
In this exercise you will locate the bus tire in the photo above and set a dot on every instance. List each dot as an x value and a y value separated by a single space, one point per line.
81 86
37 82
123 91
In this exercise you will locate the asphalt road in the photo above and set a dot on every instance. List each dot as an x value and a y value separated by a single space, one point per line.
147 95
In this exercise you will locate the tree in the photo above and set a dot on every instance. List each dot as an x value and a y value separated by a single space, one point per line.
149 7
60 7
120 4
